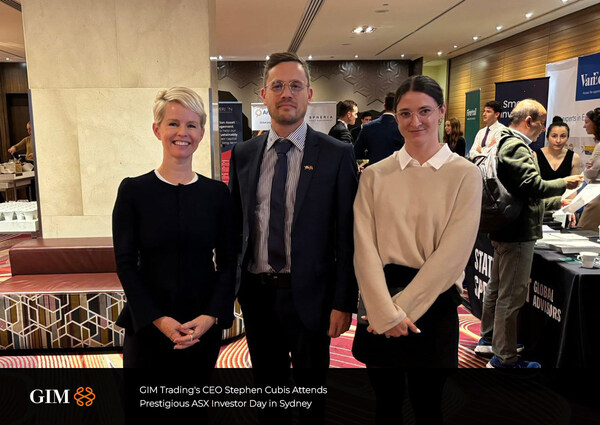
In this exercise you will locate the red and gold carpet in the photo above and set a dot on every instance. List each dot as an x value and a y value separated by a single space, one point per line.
233 355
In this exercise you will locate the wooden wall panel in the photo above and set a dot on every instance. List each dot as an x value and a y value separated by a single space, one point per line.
522 56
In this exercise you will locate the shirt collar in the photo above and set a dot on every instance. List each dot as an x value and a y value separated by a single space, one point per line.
343 122
436 161
297 137
526 139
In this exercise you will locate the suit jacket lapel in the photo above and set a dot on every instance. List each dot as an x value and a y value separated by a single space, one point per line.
307 169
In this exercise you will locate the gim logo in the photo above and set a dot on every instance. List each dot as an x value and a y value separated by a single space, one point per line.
83 396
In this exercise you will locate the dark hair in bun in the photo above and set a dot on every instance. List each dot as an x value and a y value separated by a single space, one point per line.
557 122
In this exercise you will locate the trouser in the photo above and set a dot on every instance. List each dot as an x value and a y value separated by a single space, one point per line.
504 296
277 338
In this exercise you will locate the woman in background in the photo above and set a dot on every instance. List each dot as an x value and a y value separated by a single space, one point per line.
453 136
416 219
168 225
555 160
590 218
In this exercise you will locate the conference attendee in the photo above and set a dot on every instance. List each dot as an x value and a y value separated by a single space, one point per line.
416 220
489 135
453 136
380 138
293 190
590 218
554 159
175 249
513 243
347 112
25 143
365 117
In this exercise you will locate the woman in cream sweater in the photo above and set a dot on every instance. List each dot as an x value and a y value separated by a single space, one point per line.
416 220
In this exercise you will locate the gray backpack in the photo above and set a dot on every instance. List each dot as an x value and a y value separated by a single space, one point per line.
498 206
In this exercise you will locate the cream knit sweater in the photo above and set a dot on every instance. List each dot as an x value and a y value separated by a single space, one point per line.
418 217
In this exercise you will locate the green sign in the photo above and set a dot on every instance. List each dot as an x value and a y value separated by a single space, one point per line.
472 113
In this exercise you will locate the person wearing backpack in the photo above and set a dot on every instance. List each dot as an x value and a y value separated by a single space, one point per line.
514 242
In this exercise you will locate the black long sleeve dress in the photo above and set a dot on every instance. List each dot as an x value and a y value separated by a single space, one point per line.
164 239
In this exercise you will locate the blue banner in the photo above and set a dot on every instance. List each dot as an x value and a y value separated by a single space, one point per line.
588 78
509 93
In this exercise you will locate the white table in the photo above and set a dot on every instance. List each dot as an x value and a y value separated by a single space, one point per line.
13 181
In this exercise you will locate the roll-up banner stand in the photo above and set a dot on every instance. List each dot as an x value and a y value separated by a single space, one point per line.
509 93
472 114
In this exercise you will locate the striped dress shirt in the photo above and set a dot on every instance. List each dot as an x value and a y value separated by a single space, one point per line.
260 233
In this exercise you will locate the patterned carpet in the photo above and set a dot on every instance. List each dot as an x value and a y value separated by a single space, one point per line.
233 355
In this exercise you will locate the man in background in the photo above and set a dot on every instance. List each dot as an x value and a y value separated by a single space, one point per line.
365 117
26 144
490 134
513 244
347 112
380 138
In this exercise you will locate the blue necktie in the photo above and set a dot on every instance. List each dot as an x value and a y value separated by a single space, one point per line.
276 243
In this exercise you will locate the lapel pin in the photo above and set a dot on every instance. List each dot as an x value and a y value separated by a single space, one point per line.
308 167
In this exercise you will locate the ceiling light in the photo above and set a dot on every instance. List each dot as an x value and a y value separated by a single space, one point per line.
475 37
564 1
355 56
7 59
363 30
309 57
499 27
220 57
402 55
455 46
267 57
440 53
529 15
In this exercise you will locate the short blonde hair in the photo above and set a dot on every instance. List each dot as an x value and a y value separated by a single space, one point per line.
188 98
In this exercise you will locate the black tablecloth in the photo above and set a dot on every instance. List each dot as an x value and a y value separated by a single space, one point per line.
559 319
558 324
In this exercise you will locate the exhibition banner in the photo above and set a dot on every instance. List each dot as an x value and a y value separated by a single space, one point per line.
509 93
472 113
574 90
230 132
319 115
478 272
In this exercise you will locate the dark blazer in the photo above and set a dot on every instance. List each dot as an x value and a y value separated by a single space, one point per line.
341 132
355 132
322 227
378 139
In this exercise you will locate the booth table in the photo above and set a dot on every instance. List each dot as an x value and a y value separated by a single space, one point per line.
558 322
11 182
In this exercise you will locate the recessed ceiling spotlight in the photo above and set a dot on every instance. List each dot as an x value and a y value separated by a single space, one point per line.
499 27
475 37
309 57
355 56
220 57
440 53
365 29
455 46
267 57
529 15
7 59
564 1
402 55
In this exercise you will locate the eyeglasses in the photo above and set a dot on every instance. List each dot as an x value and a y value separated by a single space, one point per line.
421 114
278 86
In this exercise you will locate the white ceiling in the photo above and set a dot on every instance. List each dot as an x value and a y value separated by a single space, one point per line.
249 30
